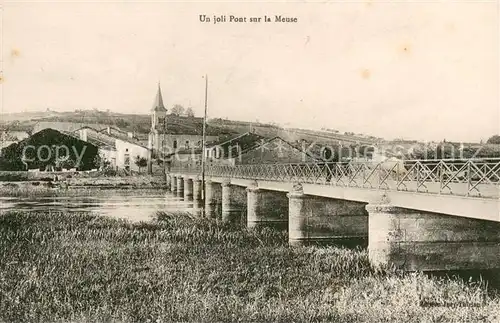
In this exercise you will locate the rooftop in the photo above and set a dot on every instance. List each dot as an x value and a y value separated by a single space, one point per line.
158 104
103 144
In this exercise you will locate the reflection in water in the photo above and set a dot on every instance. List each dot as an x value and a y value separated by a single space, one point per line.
133 205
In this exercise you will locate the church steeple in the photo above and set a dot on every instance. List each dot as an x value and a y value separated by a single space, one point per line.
158 113
158 104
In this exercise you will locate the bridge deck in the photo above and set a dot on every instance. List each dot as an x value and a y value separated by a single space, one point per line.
469 188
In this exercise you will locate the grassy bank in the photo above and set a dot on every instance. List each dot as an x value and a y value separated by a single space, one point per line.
89 268
134 181
78 186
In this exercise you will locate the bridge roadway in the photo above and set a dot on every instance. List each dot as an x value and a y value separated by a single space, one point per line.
457 205
421 219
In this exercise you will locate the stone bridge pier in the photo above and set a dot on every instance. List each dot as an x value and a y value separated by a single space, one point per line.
418 240
213 199
318 220
196 196
180 185
234 203
188 188
173 183
412 231
266 208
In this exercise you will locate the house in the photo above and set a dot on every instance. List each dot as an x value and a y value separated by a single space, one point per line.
182 142
184 158
67 127
121 151
49 149
121 148
226 151
274 150
250 148
118 132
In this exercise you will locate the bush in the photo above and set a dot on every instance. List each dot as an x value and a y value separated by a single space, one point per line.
494 140
109 171
13 176
49 184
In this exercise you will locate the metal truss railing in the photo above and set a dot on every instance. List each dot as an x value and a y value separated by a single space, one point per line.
463 177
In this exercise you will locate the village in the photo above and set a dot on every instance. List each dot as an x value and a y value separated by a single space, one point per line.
120 150
341 165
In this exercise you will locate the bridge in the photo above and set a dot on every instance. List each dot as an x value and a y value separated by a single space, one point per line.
414 214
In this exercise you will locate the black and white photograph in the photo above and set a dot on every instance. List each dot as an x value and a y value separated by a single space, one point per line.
250 161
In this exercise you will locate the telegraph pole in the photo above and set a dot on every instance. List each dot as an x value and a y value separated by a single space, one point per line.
203 144
163 148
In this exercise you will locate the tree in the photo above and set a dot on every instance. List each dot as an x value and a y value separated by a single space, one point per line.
100 162
178 109
121 123
66 163
141 162
190 112
495 139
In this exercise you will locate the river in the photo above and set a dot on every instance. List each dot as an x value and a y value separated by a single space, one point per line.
133 205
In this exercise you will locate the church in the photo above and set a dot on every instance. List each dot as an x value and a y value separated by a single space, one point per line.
175 134
158 131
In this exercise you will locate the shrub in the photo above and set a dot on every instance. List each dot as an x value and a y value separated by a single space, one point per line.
13 176
494 140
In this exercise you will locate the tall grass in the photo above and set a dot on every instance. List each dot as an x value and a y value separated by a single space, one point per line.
82 267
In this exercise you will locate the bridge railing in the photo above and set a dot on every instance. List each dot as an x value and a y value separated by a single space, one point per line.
464 177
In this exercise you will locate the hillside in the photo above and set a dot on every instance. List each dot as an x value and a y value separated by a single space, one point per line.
139 124
313 140
294 134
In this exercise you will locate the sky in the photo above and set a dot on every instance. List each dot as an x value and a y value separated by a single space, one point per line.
425 70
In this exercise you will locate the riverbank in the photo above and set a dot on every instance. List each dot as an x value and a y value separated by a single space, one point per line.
79 185
82 267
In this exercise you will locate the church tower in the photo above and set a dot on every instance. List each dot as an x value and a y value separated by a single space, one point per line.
158 122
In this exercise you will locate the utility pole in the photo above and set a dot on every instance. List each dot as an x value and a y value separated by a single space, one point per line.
203 144
163 148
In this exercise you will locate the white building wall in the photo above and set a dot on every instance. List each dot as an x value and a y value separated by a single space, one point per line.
133 150
109 155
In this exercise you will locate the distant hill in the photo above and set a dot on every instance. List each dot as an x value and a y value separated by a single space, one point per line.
294 134
140 124
225 129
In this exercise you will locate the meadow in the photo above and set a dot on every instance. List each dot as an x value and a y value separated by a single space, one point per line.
83 267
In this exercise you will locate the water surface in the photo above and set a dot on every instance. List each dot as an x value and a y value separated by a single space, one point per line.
133 205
